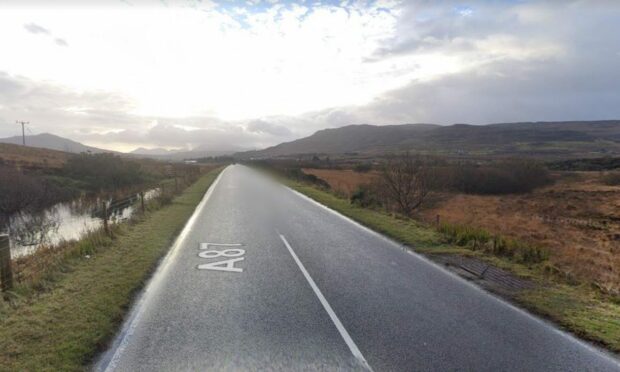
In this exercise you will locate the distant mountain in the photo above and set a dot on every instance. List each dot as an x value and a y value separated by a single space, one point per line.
154 151
352 138
545 139
52 142
163 154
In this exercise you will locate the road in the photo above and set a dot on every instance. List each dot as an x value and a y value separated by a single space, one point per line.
262 278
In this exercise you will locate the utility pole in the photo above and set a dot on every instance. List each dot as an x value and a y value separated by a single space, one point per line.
23 123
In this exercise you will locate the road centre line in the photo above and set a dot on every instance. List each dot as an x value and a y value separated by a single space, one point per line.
343 332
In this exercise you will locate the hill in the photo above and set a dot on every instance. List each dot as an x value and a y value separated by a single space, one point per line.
52 142
172 155
154 151
31 157
541 139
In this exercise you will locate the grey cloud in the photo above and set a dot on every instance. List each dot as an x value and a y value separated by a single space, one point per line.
578 82
9 86
221 138
261 126
35 28
440 27
502 92
52 108
104 118
60 42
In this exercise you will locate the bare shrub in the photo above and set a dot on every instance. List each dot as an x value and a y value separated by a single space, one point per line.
612 179
299 175
362 167
367 195
33 229
506 177
165 199
405 181
105 171
17 193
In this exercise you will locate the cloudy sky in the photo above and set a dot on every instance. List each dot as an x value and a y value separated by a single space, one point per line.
247 74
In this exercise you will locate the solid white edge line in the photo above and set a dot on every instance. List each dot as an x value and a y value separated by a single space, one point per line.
130 325
343 332
410 250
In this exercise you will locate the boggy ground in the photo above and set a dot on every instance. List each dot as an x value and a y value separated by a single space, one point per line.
571 301
577 219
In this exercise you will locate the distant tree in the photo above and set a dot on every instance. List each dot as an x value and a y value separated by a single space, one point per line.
362 167
405 181
504 177
612 179
104 171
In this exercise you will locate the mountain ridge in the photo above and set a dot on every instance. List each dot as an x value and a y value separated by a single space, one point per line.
53 142
565 138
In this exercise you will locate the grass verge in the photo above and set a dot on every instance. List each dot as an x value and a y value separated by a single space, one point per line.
578 308
65 326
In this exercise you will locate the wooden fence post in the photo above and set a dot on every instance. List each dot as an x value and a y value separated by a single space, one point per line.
142 200
104 206
6 271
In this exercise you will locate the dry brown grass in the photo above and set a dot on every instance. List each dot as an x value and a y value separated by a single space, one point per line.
31 157
342 181
577 219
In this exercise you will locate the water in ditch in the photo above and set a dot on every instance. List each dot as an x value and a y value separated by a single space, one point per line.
67 221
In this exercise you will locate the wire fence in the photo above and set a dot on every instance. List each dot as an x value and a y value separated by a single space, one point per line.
112 211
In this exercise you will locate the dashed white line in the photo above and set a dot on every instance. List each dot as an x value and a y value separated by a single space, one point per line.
343 332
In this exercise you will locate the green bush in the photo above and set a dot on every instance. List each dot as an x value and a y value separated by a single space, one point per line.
365 196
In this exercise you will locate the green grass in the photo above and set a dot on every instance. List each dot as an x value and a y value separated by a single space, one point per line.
476 239
401 229
65 327
578 308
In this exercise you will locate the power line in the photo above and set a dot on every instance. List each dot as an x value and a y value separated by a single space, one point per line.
23 123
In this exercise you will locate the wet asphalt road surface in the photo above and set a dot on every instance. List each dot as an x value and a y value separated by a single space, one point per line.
262 278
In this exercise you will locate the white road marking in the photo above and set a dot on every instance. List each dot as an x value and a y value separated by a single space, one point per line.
343 332
206 245
225 265
409 250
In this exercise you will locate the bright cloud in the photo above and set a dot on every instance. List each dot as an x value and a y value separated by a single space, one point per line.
233 63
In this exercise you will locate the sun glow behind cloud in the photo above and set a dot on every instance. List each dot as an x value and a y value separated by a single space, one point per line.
227 62
259 72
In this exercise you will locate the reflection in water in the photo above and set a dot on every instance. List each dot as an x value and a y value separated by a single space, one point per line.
66 221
